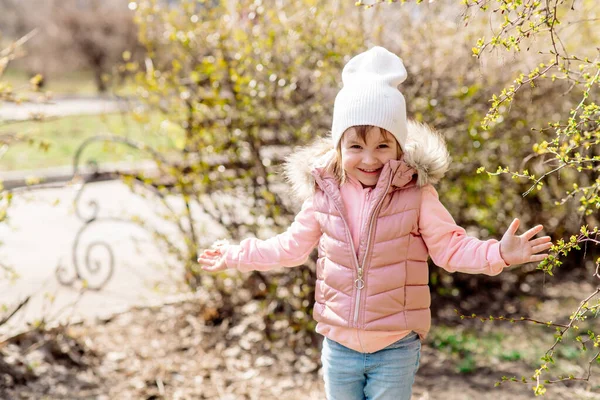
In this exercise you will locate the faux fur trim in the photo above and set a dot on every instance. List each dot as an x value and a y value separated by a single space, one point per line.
427 153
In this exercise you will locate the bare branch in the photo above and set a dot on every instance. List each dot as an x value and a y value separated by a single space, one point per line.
12 314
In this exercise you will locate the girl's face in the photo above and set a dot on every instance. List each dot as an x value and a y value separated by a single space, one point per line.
364 160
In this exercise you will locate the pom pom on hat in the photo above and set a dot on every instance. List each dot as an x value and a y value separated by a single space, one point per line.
370 95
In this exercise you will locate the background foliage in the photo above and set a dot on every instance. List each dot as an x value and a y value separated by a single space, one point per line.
236 85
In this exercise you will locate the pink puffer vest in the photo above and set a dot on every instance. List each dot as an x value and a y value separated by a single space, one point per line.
360 292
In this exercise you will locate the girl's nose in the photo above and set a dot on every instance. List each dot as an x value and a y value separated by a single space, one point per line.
369 159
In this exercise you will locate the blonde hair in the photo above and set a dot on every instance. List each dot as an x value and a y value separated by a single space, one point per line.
335 166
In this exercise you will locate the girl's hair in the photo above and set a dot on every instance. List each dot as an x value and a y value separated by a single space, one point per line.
335 165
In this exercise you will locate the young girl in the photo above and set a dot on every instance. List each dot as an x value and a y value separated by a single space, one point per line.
371 209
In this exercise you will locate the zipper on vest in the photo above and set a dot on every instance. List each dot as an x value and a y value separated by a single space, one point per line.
360 283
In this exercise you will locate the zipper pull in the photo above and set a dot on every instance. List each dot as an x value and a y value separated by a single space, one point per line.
359 283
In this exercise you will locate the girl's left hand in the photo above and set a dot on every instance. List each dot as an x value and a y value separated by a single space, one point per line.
522 249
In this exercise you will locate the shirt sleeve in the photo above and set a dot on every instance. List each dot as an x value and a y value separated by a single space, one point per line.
448 244
288 249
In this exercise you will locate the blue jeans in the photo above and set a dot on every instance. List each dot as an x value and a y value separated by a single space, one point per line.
386 374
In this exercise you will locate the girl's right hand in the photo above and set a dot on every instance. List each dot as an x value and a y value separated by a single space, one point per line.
212 260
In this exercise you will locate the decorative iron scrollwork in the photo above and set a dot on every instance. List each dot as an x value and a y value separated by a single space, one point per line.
97 269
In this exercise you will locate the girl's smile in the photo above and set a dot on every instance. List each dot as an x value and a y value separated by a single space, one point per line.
375 171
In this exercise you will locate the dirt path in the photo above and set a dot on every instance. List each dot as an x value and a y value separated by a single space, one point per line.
186 351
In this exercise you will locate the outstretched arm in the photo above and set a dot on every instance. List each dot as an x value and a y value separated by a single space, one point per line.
452 249
288 249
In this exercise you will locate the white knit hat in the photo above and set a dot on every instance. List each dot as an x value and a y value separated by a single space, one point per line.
370 95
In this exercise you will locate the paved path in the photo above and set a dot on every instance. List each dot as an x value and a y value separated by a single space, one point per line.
40 236
61 107
43 226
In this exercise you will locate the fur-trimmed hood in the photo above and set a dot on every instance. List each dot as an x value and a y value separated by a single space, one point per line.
425 152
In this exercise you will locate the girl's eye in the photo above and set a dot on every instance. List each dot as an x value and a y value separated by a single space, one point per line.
383 146
355 146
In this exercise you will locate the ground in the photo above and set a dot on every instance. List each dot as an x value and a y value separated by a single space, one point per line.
188 350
